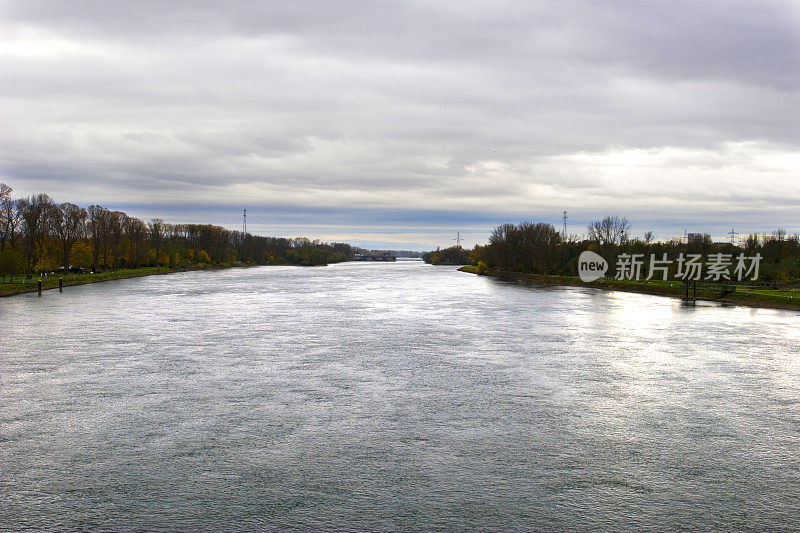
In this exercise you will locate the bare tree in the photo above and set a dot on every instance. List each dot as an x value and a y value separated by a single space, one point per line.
68 222
34 211
610 230
648 237
98 230
157 228
116 220
10 217
136 233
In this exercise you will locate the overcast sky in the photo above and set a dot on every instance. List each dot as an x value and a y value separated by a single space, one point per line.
399 123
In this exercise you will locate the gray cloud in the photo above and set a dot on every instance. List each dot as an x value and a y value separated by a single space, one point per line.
514 107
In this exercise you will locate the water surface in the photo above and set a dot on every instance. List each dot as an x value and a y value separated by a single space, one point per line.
392 397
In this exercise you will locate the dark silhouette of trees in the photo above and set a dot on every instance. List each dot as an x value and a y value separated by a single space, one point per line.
540 249
156 228
116 222
136 234
68 222
98 229
35 212
11 261
36 235
454 255
525 247
10 217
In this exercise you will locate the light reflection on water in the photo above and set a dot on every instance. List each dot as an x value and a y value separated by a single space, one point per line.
392 396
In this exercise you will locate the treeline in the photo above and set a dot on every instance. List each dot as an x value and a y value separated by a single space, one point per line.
540 248
39 235
396 253
455 255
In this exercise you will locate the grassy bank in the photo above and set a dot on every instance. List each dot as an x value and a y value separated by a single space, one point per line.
773 299
21 286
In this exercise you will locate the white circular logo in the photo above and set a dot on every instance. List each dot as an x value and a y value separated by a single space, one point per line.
591 266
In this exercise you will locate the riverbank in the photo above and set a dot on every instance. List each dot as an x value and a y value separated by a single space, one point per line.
51 282
770 299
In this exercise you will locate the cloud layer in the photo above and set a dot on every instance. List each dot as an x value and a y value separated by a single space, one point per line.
648 109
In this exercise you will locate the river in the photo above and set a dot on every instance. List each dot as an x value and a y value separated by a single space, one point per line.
392 396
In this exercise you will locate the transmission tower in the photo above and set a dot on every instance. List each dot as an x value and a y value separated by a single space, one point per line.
732 233
458 238
244 222
565 225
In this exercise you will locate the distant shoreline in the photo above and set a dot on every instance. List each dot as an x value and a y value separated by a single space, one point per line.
767 299
72 280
